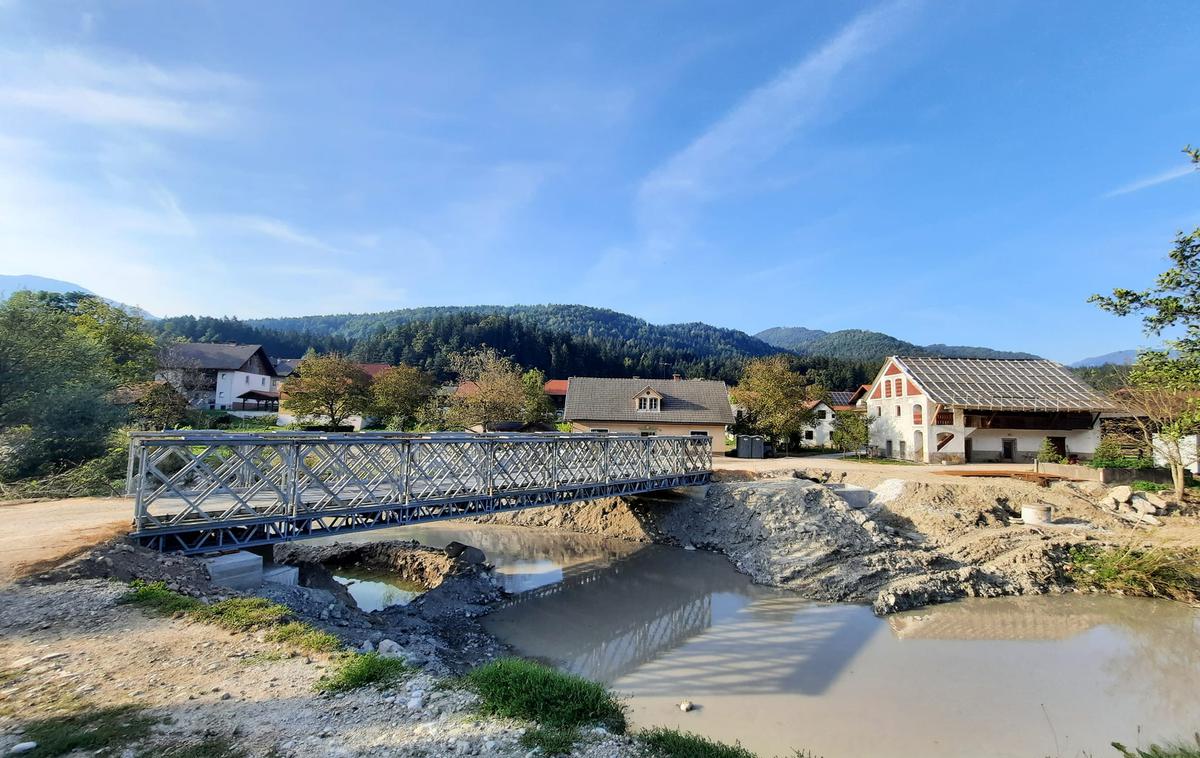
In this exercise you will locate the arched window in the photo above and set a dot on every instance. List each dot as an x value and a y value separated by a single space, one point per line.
917 414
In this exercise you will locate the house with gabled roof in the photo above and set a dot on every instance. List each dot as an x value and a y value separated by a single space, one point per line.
221 375
956 410
650 407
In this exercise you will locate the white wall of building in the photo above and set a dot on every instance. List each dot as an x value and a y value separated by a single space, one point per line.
893 420
820 434
230 384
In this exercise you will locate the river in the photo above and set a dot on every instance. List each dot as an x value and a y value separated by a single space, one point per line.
1037 676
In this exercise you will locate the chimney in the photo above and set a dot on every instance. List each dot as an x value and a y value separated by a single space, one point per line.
675 377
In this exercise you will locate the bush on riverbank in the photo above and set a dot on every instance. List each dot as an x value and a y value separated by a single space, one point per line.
1147 572
516 688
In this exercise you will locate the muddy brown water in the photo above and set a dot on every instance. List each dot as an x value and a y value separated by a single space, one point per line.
1038 676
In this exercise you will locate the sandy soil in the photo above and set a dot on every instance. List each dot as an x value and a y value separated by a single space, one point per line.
40 534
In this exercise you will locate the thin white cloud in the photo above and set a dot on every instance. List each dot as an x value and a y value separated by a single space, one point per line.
761 124
1153 181
275 229
102 89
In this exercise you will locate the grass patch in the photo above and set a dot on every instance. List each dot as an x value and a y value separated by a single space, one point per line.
1168 750
156 597
306 637
516 688
239 614
672 743
243 614
1148 572
354 670
1141 485
90 730
550 740
882 461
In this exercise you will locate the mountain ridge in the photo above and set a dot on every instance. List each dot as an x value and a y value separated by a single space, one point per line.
869 346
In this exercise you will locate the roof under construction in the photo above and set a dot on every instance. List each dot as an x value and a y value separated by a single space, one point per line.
1003 384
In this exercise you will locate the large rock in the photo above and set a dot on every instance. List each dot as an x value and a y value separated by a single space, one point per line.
1142 504
1121 494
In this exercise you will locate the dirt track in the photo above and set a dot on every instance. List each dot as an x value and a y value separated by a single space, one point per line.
38 535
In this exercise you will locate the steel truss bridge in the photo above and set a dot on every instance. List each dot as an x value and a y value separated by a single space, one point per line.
203 491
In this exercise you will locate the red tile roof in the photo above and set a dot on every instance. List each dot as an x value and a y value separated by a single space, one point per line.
556 387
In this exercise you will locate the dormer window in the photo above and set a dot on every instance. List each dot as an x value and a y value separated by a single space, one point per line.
648 401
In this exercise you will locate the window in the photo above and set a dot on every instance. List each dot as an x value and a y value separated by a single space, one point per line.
887 389
247 380
647 403
649 434
918 415
821 415
695 433
263 381
879 411
598 431
643 403
899 387
898 414
220 394
808 435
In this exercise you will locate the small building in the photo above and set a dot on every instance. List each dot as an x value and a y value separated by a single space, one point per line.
650 407
820 433
956 410
557 391
221 375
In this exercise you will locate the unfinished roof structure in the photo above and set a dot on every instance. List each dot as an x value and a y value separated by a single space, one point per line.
1002 384
684 401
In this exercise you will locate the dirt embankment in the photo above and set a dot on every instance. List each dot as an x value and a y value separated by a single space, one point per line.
896 544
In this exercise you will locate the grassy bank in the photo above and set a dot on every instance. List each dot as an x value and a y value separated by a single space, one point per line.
1144 571
239 614
561 705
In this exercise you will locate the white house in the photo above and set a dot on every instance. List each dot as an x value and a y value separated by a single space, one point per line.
221 376
820 433
956 410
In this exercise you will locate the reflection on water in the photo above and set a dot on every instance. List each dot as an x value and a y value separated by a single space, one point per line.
376 590
1057 675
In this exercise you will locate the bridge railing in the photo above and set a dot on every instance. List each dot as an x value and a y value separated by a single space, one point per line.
190 479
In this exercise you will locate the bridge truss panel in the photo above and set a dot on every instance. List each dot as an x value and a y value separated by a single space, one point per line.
204 491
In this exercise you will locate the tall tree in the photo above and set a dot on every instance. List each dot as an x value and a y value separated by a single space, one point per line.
55 389
777 399
538 407
330 386
490 390
851 431
399 393
1163 394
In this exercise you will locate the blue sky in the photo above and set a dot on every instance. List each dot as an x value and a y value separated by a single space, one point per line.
959 172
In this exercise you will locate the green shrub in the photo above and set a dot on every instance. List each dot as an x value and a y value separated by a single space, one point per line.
1109 454
672 743
1169 750
101 729
521 689
1144 486
354 670
1047 453
1149 572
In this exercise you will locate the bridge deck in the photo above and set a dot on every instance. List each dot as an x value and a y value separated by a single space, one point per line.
203 491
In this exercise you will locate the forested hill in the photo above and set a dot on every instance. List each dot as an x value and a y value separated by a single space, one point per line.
867 346
562 343
579 320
